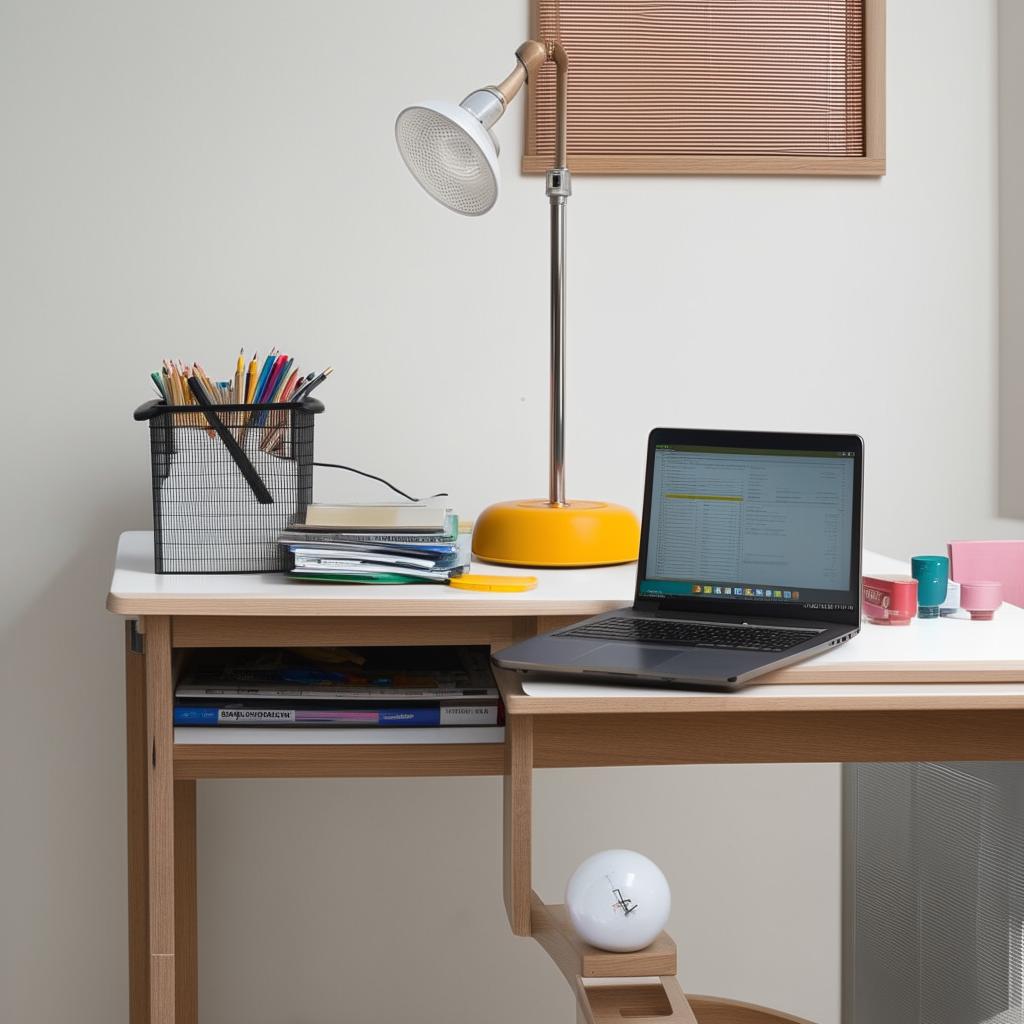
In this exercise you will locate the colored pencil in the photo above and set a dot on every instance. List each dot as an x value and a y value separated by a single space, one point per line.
207 385
277 381
282 379
238 395
250 381
271 382
290 387
278 419
268 364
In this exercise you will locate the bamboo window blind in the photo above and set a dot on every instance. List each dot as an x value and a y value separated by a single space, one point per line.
713 86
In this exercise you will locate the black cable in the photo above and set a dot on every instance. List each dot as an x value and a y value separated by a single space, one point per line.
379 479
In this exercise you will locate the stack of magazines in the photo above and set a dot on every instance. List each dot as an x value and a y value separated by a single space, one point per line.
413 543
382 687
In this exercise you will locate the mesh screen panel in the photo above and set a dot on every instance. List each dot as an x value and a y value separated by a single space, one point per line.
205 516
934 893
445 161
705 77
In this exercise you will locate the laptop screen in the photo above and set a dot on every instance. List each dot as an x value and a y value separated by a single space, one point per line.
753 525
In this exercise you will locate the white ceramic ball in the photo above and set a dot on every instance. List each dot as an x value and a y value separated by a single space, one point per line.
618 900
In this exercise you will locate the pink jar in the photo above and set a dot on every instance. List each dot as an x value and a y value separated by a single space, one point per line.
981 598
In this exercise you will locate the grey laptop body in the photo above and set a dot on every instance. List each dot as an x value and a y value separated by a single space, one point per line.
750 559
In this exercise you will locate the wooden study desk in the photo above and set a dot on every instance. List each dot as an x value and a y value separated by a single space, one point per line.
941 690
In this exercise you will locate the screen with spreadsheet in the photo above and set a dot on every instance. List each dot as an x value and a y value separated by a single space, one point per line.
751 524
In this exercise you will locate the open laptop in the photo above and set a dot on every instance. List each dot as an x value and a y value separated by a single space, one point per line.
750 557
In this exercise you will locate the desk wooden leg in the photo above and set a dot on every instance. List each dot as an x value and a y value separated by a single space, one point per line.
518 822
160 818
138 834
186 949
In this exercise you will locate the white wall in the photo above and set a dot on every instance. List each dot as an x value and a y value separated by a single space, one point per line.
182 179
1011 256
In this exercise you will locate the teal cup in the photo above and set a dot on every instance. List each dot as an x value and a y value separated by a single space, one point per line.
932 575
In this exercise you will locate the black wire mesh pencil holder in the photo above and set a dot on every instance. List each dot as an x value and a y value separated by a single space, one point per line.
227 479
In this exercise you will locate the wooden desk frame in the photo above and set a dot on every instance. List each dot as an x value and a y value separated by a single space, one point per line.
540 733
602 731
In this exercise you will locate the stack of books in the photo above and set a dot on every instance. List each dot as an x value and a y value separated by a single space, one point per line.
415 542
377 687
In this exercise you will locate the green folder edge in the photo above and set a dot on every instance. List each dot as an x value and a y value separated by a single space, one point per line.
384 577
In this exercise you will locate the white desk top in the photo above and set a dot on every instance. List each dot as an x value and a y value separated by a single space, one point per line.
950 662
137 590
932 664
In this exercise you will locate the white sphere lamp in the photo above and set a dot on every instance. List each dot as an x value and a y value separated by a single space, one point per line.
618 900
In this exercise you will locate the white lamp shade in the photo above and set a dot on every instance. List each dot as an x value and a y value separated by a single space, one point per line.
451 154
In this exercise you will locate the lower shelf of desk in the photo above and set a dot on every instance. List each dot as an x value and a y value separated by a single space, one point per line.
246 753
248 736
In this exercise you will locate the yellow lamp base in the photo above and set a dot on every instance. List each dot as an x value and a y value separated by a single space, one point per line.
537 534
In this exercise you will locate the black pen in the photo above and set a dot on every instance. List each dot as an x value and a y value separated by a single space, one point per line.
252 478
314 383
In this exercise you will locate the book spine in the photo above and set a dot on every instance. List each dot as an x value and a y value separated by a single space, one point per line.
387 718
418 549
436 539
314 562
374 694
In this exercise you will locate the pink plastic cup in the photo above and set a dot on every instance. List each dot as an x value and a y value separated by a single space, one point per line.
981 597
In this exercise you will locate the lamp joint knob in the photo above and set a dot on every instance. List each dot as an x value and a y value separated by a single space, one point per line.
559 182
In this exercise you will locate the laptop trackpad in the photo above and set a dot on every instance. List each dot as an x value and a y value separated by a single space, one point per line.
624 658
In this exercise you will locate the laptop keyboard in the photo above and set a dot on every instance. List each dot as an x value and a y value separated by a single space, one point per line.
693 634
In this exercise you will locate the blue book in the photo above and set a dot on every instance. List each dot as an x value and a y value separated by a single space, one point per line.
417 717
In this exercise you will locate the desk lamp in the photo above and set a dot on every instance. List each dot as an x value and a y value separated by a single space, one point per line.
452 152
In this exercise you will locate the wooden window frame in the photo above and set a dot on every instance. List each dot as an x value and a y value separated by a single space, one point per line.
871 164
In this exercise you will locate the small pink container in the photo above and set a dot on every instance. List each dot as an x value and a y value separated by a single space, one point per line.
981 598
889 600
